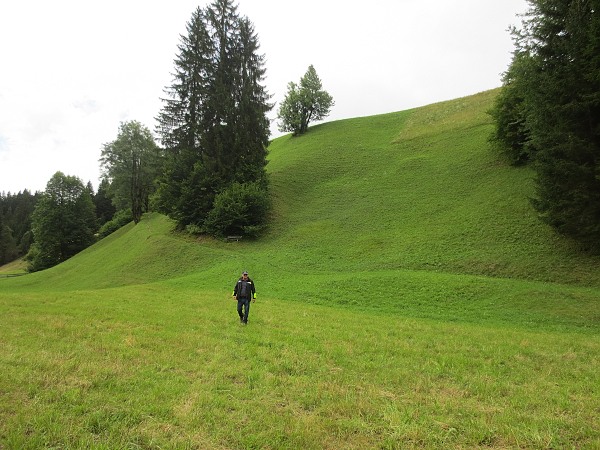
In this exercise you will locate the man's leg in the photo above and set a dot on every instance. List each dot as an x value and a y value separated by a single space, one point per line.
239 310
247 310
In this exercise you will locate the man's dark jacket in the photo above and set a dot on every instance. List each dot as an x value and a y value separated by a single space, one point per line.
250 289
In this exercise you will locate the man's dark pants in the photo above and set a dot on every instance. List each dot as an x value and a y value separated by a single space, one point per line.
246 303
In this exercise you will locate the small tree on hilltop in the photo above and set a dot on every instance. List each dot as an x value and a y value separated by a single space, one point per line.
304 103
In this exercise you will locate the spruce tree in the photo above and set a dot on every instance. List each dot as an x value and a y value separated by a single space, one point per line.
560 41
511 135
251 131
213 123
17 210
105 210
8 246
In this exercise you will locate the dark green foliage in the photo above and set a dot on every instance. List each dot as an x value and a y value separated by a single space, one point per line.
304 103
551 104
120 219
510 114
213 123
105 209
63 222
8 245
241 209
15 231
186 197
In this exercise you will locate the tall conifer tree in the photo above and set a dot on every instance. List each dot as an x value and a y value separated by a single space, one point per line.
213 123
557 50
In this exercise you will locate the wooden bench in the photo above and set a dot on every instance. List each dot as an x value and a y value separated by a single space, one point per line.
233 238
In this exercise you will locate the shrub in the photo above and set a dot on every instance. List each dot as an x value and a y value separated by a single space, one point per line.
193 229
120 219
241 209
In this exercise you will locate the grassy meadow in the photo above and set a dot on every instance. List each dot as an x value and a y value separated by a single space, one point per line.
408 297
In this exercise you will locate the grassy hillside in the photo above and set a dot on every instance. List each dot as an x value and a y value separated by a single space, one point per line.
408 298
418 190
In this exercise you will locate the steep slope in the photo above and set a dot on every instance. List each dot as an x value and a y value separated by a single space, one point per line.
419 190
413 191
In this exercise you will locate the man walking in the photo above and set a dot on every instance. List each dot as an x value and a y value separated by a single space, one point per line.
244 292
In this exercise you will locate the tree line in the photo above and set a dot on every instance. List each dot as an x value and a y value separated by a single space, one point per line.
208 174
15 224
548 113
24 214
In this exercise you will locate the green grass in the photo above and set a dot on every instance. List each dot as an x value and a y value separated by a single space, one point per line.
408 297
16 267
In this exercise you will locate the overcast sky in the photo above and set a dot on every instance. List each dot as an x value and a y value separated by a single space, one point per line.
71 71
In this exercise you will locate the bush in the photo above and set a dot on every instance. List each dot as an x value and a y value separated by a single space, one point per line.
193 229
120 219
33 259
241 209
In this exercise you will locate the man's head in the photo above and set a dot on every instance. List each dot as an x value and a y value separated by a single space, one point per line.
244 275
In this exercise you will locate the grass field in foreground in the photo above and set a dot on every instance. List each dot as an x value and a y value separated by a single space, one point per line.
408 298
166 366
